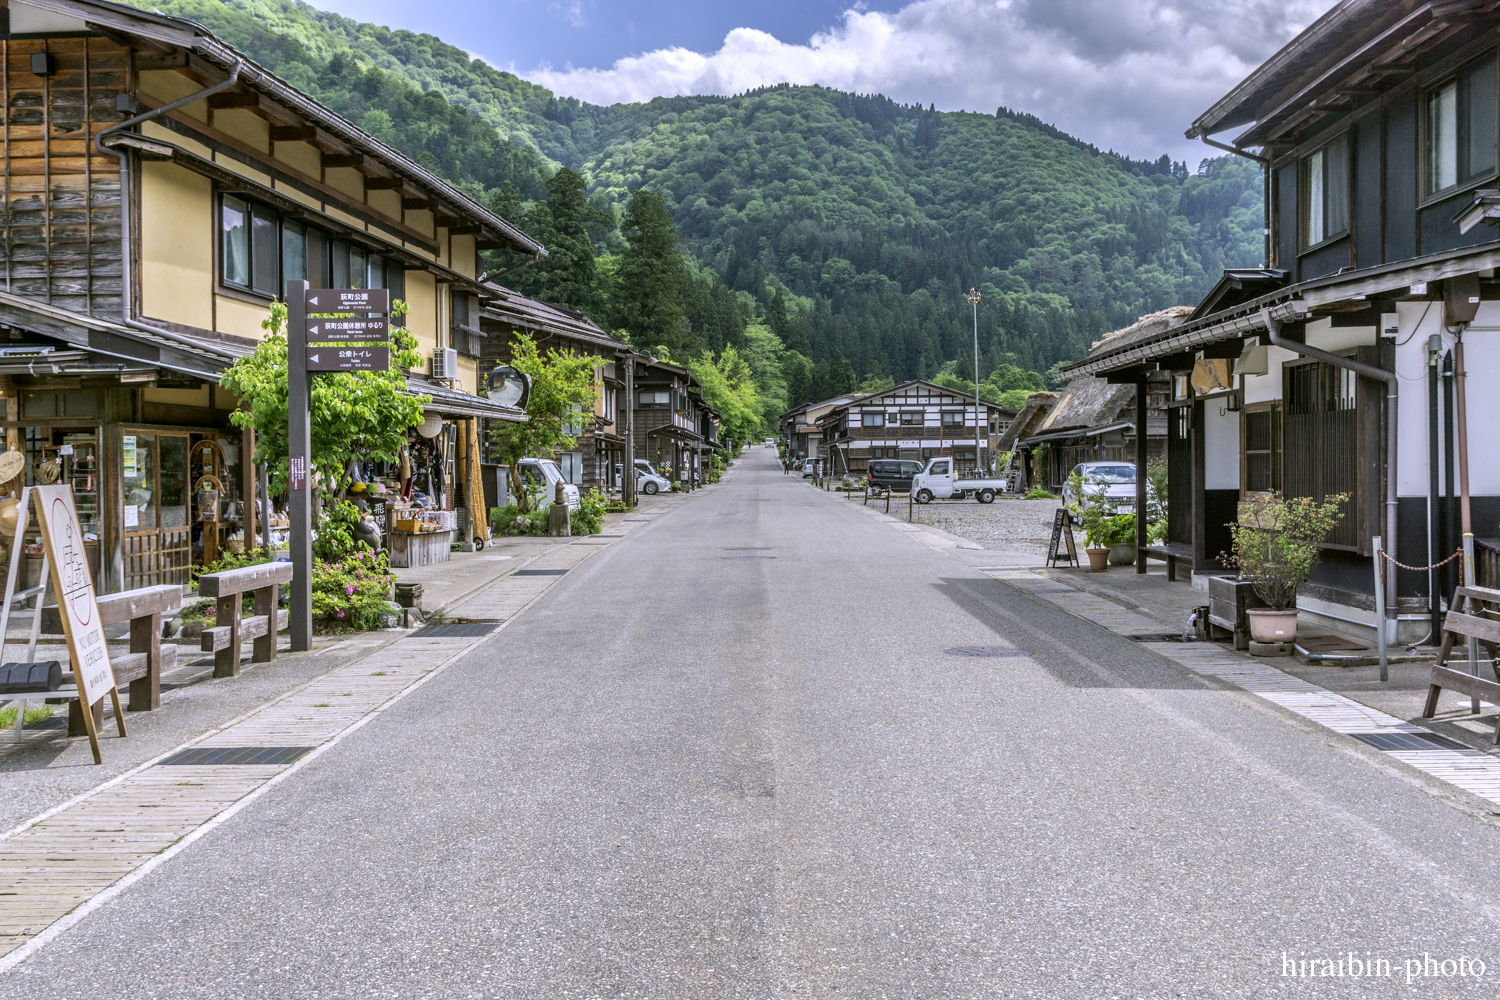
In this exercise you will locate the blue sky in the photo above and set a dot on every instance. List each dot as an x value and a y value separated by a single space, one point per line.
1127 75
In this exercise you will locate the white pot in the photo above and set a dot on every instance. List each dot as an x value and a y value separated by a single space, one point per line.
1267 625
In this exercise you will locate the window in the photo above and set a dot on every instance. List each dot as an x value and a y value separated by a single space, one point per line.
1325 200
913 418
571 465
953 418
872 419
1262 437
939 468
257 251
572 424
1463 116
661 398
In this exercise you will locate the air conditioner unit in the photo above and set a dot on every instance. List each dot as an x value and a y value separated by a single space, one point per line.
445 363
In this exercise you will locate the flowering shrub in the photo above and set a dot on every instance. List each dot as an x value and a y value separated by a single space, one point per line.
588 519
352 592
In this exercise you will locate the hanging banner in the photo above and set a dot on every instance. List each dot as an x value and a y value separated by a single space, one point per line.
74 588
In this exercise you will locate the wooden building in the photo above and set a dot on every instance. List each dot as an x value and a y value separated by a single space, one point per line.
1022 476
669 421
799 428
160 189
597 458
1093 421
1339 366
914 420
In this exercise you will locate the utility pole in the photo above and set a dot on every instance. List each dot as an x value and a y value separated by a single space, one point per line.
974 301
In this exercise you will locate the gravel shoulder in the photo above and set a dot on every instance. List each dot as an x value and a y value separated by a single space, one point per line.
1012 525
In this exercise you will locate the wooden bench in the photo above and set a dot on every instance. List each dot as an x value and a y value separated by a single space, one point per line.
1171 552
142 667
230 629
1475 622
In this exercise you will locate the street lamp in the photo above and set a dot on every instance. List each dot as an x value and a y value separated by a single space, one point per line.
974 301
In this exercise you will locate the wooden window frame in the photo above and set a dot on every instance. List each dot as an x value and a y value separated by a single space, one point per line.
1305 242
1426 193
1272 407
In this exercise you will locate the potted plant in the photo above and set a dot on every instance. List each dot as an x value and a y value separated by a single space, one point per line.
1277 543
1120 538
1093 512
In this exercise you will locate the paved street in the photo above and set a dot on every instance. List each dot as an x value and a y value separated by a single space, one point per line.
727 756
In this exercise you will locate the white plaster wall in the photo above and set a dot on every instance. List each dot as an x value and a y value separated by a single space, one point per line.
1267 388
1221 446
1419 320
1325 335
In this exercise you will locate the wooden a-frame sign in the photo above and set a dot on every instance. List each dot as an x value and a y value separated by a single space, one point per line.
1062 533
62 539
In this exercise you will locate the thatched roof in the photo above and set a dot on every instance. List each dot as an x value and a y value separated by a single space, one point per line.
1038 404
1147 326
1088 402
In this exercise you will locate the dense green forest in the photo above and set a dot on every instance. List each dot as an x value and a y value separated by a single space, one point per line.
848 226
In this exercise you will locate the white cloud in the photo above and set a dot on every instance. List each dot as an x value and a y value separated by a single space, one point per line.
1122 74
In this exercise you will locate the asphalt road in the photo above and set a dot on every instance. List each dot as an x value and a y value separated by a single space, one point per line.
728 757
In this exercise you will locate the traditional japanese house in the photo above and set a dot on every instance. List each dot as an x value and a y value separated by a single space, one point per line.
160 190
799 427
1093 421
1341 365
916 420
668 426
597 458
1024 424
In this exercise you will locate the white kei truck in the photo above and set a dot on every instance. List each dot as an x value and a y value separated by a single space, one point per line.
936 482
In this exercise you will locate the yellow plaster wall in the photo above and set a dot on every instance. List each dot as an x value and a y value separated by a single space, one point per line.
420 220
177 397
239 317
343 217
253 131
387 203
468 375
346 180
421 317
155 131
166 85
288 191
177 253
300 156
463 255
244 170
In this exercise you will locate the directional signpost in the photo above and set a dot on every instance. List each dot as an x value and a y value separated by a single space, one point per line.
322 343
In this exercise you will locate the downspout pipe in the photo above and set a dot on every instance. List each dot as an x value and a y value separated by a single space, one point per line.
127 294
1392 425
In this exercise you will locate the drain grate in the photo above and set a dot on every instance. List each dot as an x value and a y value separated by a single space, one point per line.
1409 741
237 755
454 630
1156 637
985 651
539 572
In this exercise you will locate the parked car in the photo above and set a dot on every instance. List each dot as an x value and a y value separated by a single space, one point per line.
543 474
650 482
892 473
938 482
770 442
1115 481
809 468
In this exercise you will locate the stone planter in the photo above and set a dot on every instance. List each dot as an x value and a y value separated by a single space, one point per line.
1267 625
1122 554
1098 560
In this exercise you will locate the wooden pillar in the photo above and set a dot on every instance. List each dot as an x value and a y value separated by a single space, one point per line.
627 484
461 474
1200 500
248 520
1141 462
479 515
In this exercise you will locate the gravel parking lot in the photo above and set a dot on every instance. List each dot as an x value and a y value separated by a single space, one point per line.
1013 525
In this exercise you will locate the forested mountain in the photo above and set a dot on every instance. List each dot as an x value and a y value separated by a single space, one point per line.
850 224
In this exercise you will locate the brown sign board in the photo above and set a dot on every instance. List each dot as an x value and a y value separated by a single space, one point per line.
375 358
355 329
356 300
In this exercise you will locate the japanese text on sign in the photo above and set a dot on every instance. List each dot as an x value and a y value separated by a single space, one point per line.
350 329
365 300
348 359
299 472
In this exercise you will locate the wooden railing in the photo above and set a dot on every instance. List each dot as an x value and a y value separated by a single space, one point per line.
1487 562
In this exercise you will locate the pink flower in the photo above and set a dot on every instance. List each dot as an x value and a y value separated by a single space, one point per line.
341 612
349 590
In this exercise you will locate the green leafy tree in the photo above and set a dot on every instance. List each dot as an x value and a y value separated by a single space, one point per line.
562 384
877 380
567 276
651 277
729 387
354 415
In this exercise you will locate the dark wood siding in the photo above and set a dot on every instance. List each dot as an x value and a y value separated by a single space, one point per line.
1327 259
62 222
1401 178
1368 178
1440 232
1179 475
1286 219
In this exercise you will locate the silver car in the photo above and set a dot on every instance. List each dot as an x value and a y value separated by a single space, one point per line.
1114 481
650 482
